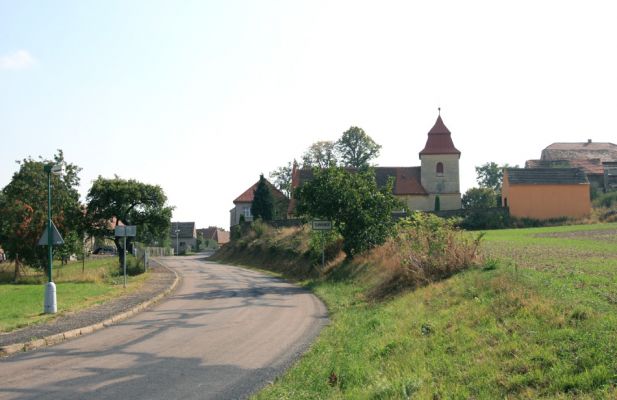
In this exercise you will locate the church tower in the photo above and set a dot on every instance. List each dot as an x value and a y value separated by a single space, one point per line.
439 170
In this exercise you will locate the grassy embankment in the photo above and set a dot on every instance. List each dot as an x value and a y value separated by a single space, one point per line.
21 303
538 320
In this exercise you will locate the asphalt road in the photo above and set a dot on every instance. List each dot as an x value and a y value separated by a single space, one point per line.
223 334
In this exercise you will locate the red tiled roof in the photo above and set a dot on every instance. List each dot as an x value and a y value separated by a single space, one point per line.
249 194
439 140
406 179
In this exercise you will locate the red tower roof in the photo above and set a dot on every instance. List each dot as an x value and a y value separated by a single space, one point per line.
439 140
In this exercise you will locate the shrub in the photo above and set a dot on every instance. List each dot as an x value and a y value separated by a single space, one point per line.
485 219
607 200
425 249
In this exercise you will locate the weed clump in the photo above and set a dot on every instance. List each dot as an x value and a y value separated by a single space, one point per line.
425 249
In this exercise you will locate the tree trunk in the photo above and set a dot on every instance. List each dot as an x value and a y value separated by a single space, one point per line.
16 268
121 253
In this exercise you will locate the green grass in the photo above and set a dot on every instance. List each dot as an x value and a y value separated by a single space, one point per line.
539 322
21 304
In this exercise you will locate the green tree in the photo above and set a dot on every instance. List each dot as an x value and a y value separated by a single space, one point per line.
356 148
320 154
281 178
114 201
361 211
475 198
263 202
490 175
23 208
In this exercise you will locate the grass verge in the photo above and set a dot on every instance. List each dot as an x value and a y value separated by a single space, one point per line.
538 321
21 304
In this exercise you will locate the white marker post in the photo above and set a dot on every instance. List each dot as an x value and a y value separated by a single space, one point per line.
124 231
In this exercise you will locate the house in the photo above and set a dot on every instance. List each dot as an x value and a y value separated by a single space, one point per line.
183 236
595 159
581 151
214 236
545 193
419 186
242 204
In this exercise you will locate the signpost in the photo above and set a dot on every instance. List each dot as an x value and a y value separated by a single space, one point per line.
322 225
124 231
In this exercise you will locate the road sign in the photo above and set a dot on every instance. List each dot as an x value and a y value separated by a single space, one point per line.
125 230
56 237
322 225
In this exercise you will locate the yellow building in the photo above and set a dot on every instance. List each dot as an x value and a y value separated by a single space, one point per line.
545 193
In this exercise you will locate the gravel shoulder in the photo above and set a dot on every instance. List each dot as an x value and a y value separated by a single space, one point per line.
160 280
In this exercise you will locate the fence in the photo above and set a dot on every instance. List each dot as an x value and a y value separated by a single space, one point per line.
143 253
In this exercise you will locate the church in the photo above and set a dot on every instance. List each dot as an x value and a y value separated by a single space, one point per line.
433 185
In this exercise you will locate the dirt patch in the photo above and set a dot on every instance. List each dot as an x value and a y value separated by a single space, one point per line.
603 235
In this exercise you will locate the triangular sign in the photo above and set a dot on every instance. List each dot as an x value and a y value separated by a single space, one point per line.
56 237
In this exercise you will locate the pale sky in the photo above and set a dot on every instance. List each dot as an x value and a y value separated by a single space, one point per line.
200 97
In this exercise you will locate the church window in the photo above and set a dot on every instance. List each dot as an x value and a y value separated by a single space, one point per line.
439 169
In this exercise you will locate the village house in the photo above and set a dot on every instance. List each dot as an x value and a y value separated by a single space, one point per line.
183 236
597 160
214 236
546 193
418 187
242 204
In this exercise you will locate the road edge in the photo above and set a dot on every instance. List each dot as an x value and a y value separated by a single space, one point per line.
11 349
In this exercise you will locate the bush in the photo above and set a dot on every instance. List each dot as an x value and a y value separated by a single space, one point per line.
485 219
607 200
425 249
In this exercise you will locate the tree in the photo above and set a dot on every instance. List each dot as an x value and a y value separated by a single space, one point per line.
490 175
320 154
23 208
356 148
263 202
475 198
281 178
114 201
361 212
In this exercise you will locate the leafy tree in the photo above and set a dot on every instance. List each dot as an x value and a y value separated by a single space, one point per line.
281 178
114 201
23 208
263 202
490 175
361 212
475 198
356 148
320 154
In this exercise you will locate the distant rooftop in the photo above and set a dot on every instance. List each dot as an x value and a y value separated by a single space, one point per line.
187 230
551 176
581 150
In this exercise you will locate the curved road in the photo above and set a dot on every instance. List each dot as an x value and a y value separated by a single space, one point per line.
223 334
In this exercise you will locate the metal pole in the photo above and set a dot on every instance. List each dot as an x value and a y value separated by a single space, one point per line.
323 252
177 248
49 231
124 259
50 305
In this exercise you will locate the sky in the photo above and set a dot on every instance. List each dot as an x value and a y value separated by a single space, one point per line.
200 97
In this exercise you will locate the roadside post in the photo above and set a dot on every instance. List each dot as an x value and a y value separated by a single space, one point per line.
123 231
322 226
49 238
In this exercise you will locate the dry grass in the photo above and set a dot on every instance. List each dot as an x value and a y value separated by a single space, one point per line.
423 251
